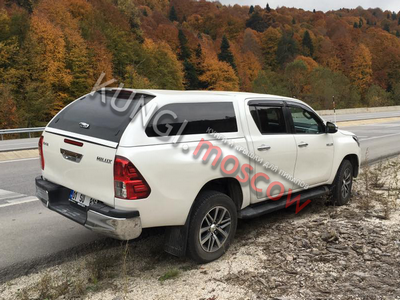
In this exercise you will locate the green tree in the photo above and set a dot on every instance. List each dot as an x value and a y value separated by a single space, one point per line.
293 21
325 84
191 77
386 27
287 49
251 10
377 96
355 25
268 8
257 23
308 46
226 54
184 51
172 14
296 76
269 82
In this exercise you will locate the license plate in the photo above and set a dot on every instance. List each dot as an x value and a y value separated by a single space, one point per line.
81 199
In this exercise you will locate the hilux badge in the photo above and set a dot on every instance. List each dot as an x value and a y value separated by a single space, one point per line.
84 125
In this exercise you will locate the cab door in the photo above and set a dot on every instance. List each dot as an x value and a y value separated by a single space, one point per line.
315 148
273 143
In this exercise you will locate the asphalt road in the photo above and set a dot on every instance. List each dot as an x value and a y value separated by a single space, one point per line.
33 236
362 116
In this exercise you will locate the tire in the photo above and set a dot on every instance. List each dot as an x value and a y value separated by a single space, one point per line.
341 192
213 220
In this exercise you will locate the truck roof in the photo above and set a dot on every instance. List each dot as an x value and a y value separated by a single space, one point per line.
183 94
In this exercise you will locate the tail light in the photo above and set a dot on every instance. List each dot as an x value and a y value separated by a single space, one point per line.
41 152
128 182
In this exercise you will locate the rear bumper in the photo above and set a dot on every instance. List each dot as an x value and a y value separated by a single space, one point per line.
118 224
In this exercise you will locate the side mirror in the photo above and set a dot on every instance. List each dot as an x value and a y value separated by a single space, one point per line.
331 127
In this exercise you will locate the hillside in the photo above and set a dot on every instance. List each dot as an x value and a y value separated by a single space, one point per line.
53 51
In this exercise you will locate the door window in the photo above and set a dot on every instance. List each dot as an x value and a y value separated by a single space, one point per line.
269 120
306 122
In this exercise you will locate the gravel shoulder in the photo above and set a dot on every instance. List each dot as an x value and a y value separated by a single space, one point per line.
324 252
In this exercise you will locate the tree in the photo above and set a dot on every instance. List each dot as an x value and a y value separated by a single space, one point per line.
394 16
191 77
257 23
386 27
287 49
397 33
172 14
377 96
293 21
226 54
269 82
360 23
308 47
398 22
325 84
270 40
219 75
268 8
251 10
184 53
135 81
355 25
361 68
8 108
296 75
314 11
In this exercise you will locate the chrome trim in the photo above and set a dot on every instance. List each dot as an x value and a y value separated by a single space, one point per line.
263 147
118 228
72 156
302 144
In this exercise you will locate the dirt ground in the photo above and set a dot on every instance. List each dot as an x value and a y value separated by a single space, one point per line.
324 252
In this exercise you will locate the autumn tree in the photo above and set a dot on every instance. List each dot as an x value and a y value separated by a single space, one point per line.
270 40
361 68
226 54
8 108
219 75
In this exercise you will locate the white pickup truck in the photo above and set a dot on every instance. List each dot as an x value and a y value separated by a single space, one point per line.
119 160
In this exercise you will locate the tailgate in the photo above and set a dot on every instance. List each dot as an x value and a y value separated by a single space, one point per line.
87 169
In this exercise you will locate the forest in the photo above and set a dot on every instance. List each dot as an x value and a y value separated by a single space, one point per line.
53 51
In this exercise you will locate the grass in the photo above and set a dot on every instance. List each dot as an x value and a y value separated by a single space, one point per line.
170 274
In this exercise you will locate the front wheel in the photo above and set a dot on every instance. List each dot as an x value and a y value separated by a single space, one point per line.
212 226
343 183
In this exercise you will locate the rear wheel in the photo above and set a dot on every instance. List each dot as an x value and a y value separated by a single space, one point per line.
212 226
343 183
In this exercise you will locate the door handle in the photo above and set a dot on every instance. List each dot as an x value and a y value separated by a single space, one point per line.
303 144
263 147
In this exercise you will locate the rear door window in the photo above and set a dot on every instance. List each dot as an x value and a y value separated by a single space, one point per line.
200 117
269 120
99 115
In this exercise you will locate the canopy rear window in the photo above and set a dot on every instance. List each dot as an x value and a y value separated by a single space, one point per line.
104 115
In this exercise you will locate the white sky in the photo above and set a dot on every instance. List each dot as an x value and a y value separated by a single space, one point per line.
324 5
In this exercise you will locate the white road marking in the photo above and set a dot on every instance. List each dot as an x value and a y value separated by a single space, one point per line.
8 198
16 160
379 137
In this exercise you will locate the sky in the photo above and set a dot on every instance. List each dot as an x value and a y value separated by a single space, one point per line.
324 5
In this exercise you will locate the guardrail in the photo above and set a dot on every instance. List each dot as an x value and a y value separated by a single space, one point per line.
20 130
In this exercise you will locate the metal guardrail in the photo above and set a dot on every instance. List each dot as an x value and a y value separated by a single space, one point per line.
20 130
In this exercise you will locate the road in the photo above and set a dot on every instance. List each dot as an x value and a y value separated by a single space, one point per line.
33 236
363 116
